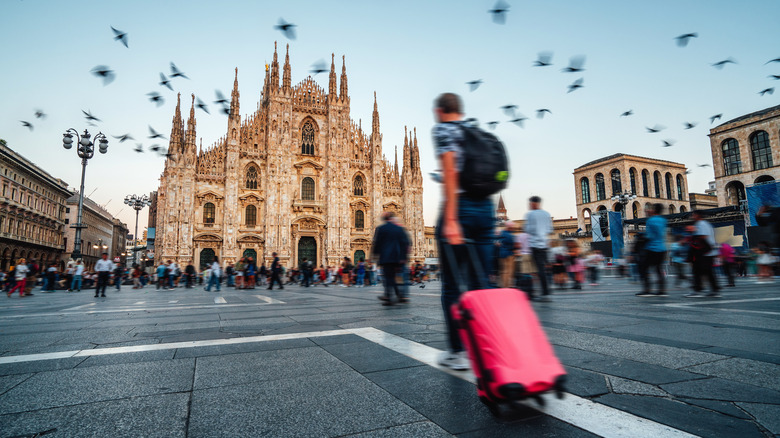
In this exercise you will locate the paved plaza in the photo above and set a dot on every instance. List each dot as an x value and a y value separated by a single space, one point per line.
332 362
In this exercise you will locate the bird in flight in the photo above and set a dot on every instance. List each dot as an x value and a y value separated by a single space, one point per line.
627 113
319 67
104 72
139 148
667 143
720 64
683 39
775 77
27 124
689 125
220 98
715 117
543 59
225 110
704 165
688 172
575 85
165 81
575 64
176 73
39 114
492 124
540 112
770 90
509 109
772 60
123 138
473 85
519 120
88 115
156 98
288 29
155 134
120 36
499 12
202 106
654 129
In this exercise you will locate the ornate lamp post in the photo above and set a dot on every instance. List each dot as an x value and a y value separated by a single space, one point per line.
138 203
85 151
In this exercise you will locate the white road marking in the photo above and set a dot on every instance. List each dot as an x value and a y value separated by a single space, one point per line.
219 300
79 307
700 302
585 414
139 303
269 300
173 302
131 309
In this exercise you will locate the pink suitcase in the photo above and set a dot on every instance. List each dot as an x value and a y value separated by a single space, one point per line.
509 352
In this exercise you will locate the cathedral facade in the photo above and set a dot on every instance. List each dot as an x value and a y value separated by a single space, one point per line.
297 177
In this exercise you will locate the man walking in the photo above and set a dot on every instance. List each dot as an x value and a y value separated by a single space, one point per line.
538 226
103 267
78 272
190 272
506 255
704 250
391 246
276 270
463 216
216 276
655 252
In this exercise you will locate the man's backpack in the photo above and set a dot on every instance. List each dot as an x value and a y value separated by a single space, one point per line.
485 164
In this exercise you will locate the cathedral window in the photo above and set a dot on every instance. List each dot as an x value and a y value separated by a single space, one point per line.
359 219
251 178
357 186
251 215
307 189
209 213
307 139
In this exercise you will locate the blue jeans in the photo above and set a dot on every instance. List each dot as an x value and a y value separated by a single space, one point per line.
76 283
360 279
213 280
230 281
477 221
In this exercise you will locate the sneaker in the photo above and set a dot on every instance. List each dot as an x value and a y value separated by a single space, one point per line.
454 361
695 295
645 294
713 295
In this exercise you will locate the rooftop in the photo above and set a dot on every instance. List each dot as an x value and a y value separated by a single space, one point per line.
760 113
625 156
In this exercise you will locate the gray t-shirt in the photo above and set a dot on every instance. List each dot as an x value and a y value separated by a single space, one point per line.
538 225
447 137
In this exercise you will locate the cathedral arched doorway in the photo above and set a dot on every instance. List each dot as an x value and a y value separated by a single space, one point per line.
206 257
307 248
359 255
249 252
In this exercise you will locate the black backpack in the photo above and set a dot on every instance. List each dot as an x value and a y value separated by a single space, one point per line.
485 164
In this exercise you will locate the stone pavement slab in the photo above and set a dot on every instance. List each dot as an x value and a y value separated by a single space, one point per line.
715 388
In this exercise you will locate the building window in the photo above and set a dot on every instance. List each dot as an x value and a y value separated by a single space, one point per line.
617 184
680 196
668 181
635 210
731 162
657 183
307 189
585 188
251 178
645 183
632 177
601 192
251 215
762 153
357 186
307 139
209 213
359 218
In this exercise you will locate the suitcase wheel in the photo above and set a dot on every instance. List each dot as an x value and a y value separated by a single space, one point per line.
560 386
539 400
492 406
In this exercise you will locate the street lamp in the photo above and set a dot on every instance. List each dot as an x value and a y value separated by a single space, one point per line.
623 199
137 203
85 151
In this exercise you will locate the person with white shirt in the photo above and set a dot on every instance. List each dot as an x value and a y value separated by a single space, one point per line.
538 225
216 274
705 250
103 267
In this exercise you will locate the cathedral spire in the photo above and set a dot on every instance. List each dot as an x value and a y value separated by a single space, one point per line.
343 91
177 129
375 118
396 161
332 81
234 105
286 81
275 72
189 139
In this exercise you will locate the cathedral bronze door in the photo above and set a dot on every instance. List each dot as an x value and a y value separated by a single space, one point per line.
250 253
359 255
206 258
307 248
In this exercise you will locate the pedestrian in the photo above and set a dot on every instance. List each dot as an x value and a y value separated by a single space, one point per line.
464 215
276 271
506 255
229 273
119 273
20 275
391 248
137 274
303 267
161 275
103 267
189 270
262 274
360 271
574 264
703 250
593 263
51 277
678 253
655 252
215 277
727 263
764 262
346 272
538 225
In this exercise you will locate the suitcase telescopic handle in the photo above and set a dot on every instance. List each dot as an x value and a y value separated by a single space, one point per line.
472 258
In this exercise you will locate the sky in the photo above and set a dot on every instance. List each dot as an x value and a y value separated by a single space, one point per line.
407 52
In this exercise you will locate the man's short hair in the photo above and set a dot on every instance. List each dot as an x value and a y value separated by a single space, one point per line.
105 254
535 199
449 103
388 216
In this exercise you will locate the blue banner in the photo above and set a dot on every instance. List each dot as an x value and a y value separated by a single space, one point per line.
616 230
762 194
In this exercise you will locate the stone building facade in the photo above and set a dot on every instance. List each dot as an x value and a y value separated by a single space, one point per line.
703 201
97 238
651 180
297 177
119 242
745 151
32 211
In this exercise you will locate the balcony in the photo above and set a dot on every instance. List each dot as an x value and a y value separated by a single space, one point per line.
303 204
